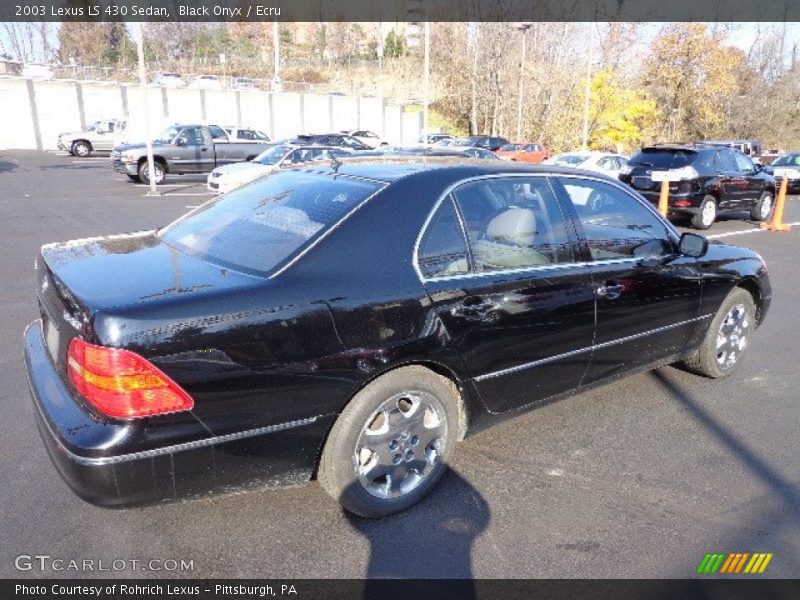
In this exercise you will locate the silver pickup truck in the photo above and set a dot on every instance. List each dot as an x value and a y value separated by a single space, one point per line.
184 149
100 136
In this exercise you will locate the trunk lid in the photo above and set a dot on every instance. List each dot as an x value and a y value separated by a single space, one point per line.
82 279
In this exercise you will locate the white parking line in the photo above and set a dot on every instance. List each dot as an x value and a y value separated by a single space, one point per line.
161 185
754 230
189 194
84 161
192 205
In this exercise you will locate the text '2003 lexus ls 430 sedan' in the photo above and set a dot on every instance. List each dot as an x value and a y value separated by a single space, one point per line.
353 320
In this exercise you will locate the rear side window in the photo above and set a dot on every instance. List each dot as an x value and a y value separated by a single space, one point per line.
442 250
513 223
218 134
259 225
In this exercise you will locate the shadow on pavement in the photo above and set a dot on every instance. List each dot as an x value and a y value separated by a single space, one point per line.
432 539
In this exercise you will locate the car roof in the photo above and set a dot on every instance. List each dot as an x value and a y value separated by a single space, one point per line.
390 168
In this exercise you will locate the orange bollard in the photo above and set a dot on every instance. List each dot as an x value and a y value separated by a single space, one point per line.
663 198
776 223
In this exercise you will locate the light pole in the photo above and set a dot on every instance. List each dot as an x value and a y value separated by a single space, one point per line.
147 137
276 50
523 27
427 76
587 91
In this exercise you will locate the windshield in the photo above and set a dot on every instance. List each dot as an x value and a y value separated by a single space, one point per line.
167 135
787 159
92 126
272 156
260 225
663 159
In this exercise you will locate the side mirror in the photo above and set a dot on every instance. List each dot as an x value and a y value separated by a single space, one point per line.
758 166
181 141
692 245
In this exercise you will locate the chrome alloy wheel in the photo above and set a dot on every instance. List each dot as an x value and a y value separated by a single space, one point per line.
400 444
732 336
709 213
766 207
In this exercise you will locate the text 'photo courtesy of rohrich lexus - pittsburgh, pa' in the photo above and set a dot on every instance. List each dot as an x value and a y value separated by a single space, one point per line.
352 319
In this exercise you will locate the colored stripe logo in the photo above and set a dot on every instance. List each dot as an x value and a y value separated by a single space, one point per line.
734 563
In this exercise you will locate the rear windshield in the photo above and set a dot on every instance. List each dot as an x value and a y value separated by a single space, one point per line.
258 226
663 159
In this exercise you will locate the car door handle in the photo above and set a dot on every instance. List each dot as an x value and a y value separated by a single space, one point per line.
610 290
203 149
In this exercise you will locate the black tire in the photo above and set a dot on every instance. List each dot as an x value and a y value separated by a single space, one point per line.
706 359
762 211
134 178
158 168
81 148
706 215
340 467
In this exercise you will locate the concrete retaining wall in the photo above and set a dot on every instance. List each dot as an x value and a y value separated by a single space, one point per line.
33 113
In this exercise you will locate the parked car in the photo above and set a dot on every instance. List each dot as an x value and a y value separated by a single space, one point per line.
444 143
169 80
341 140
37 71
524 152
273 334
182 149
367 137
244 83
206 82
488 142
787 165
476 152
751 148
246 134
229 177
601 162
100 136
709 180
429 139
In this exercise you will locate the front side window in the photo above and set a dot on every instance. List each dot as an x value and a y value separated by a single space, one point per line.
614 223
442 250
513 223
261 224
194 136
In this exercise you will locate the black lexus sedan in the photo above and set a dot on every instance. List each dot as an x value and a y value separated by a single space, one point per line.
352 321
707 180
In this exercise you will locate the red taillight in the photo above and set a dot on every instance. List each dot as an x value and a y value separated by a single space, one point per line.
122 384
683 203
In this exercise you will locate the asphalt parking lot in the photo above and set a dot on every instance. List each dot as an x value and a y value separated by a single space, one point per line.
639 478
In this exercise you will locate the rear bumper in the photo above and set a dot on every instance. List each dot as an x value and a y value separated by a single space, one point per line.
281 454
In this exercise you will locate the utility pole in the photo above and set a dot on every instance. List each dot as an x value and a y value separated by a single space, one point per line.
427 76
147 136
588 90
276 49
523 27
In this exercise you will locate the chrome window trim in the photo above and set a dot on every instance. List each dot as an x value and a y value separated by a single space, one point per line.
533 269
592 348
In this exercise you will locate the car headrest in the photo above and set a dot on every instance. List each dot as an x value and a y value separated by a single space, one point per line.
515 226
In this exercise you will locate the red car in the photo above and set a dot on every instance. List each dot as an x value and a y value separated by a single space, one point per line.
524 152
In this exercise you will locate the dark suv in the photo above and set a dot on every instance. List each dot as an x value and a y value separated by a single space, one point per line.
487 142
705 181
